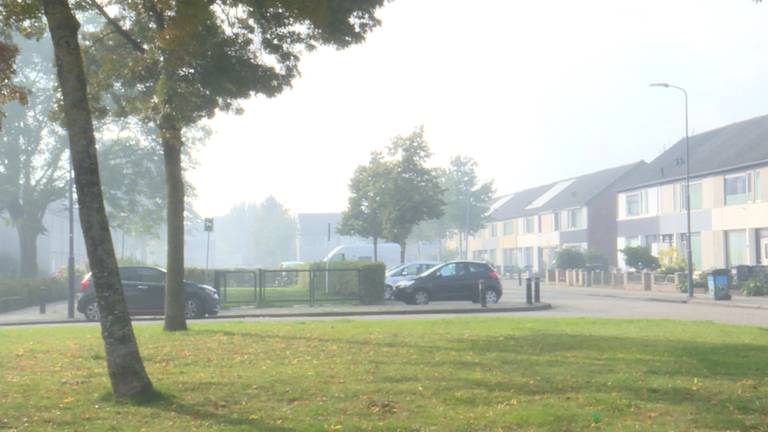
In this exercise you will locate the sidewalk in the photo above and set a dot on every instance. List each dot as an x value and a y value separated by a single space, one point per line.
57 312
700 296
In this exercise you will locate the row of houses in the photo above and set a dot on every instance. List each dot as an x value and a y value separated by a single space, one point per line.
643 204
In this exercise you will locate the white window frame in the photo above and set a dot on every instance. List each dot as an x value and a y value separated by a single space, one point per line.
570 226
749 180
642 205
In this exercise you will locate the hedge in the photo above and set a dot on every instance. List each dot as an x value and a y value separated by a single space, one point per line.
24 292
372 275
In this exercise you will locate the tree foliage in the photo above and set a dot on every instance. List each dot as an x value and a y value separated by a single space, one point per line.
640 258
8 90
34 161
570 258
172 64
415 194
367 203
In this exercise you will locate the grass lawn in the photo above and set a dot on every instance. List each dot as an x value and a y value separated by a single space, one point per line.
467 374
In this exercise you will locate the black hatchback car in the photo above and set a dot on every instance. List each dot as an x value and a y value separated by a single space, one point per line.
144 290
456 280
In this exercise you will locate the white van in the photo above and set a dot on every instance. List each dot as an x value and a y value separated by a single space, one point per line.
387 253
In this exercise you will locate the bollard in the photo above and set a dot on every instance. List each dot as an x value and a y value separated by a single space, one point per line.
528 299
481 293
519 278
537 290
43 298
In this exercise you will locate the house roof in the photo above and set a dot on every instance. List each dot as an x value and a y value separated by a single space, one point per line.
728 148
565 194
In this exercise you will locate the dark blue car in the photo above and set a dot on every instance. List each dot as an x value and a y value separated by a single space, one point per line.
456 280
144 290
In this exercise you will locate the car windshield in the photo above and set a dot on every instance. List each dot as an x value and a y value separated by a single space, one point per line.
392 270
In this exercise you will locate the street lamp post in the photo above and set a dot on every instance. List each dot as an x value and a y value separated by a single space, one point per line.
71 257
688 252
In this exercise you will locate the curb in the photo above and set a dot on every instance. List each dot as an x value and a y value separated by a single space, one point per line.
721 303
319 314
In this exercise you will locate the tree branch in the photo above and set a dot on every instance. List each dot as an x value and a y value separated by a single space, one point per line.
120 30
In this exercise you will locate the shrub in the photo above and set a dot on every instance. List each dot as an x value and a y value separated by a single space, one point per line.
699 281
672 262
639 258
28 291
372 283
570 258
595 259
756 286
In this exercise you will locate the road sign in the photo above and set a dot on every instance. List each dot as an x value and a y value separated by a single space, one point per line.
208 224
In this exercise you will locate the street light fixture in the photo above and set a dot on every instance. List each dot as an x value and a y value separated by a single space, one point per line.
687 187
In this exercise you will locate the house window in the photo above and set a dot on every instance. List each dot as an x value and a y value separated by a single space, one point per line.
538 223
494 233
529 225
738 189
634 203
556 217
509 228
575 219
758 188
736 247
696 196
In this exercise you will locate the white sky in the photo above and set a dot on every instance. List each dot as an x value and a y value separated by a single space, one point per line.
535 91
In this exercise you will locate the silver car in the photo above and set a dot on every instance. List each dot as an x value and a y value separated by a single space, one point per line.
406 271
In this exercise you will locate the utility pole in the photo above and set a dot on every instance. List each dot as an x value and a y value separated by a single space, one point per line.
71 258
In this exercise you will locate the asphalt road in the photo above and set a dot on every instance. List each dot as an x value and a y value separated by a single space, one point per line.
565 301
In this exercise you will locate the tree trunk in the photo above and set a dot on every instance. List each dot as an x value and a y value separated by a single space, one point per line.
375 249
28 249
126 370
170 136
402 253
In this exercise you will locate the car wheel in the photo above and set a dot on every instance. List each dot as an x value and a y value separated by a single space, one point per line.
193 308
388 293
421 297
92 311
491 297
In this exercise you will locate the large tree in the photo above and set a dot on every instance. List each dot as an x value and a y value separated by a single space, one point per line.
366 205
467 201
125 367
173 63
34 162
274 238
32 151
414 193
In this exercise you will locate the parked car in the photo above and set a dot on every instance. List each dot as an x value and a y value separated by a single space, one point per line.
403 272
144 290
456 280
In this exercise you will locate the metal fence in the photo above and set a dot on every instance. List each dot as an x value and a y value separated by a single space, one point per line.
286 287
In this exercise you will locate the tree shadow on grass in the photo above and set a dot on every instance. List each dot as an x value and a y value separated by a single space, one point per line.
162 401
